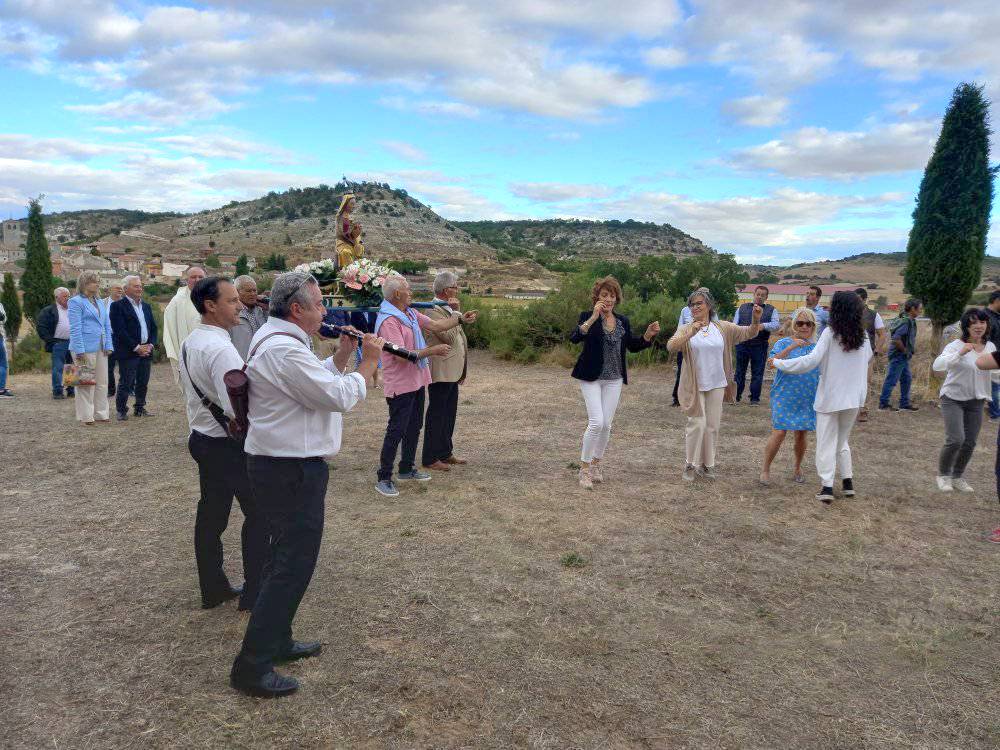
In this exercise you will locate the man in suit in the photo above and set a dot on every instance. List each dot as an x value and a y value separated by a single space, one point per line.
135 337
447 373
115 293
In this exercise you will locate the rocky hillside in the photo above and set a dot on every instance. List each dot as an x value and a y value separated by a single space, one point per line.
564 239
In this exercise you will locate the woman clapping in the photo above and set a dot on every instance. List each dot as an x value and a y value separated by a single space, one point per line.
601 370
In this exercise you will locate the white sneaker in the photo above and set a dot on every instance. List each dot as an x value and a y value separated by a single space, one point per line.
961 485
585 481
596 474
709 471
945 484
688 475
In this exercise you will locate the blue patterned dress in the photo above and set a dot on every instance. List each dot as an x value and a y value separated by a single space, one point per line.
793 396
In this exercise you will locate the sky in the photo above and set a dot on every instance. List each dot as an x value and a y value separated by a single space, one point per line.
779 131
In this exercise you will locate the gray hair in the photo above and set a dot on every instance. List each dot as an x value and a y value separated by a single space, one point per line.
127 280
242 282
58 289
85 278
289 288
802 312
444 280
706 295
392 284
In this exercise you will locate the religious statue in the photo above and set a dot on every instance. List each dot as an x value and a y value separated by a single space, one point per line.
349 244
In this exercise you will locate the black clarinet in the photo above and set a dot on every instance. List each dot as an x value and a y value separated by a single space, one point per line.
387 347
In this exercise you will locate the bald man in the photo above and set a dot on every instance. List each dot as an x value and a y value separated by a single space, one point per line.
180 318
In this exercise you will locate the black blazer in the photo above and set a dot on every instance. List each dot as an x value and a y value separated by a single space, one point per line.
48 319
125 328
591 360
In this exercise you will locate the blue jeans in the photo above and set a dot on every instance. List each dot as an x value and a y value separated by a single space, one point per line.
3 364
994 404
899 370
754 355
60 350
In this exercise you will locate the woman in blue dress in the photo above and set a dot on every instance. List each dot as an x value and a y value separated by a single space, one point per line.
792 396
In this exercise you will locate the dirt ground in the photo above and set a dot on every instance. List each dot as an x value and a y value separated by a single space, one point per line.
723 615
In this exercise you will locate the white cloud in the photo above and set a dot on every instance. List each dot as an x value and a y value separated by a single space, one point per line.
665 57
556 192
142 106
818 152
29 147
224 147
406 151
757 111
431 108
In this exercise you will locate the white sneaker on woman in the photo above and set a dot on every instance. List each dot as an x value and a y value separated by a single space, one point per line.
585 480
945 484
596 474
961 485
688 475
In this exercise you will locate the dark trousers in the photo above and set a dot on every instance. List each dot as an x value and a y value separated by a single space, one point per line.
222 474
133 377
290 494
754 355
439 425
60 357
677 378
406 417
111 375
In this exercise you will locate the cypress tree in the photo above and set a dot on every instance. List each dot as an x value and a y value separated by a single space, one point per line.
947 243
242 265
12 306
37 282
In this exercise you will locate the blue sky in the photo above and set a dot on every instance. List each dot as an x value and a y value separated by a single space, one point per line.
779 131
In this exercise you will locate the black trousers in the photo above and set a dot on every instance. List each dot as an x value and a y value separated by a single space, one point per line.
133 377
406 417
222 474
439 424
111 375
677 378
291 494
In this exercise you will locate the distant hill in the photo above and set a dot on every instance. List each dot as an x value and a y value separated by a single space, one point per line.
554 240
83 226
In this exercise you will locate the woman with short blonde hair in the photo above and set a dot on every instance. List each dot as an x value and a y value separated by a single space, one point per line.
90 342
792 396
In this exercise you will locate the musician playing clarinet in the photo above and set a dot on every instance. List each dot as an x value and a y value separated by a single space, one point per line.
296 403
403 381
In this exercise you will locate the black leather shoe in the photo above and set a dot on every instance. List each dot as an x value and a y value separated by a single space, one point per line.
123 416
271 685
300 650
214 602
143 413
57 397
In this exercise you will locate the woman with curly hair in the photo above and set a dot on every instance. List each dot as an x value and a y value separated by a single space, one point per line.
606 335
841 355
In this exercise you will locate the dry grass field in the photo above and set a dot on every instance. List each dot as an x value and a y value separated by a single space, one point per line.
722 615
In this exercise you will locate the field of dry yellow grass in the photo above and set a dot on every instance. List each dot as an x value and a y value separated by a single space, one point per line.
712 615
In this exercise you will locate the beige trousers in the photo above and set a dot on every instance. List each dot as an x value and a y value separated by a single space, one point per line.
702 432
92 400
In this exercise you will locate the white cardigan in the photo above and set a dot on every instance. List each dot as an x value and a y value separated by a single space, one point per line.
964 381
843 376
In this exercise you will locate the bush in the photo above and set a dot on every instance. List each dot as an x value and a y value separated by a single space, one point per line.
408 266
30 356
159 351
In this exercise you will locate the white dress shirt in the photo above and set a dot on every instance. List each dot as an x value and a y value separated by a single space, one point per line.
143 331
295 399
685 317
964 381
62 327
843 376
771 325
210 355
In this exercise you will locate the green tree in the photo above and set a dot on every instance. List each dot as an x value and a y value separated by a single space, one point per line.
242 265
36 283
947 243
721 274
12 306
212 261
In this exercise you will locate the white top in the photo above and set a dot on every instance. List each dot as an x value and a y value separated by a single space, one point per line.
843 376
180 318
879 323
143 331
685 317
707 347
964 381
210 355
62 327
296 400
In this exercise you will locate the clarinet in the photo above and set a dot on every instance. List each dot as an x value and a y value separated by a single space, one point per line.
387 347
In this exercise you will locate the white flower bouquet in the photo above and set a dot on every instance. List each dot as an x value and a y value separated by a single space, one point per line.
324 270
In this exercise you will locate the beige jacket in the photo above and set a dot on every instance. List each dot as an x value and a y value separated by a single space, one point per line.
688 388
452 368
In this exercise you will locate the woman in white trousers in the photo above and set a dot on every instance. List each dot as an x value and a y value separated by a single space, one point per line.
842 355
90 343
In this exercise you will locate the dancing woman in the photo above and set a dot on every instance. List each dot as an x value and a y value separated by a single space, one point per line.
606 335
841 355
349 245
707 345
792 396
964 391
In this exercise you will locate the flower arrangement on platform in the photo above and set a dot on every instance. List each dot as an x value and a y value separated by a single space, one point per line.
363 281
324 270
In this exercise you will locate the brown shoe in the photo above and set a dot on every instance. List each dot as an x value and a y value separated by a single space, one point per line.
438 466
863 415
455 461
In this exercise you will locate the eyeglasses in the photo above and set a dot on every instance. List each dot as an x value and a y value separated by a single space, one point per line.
696 304
804 323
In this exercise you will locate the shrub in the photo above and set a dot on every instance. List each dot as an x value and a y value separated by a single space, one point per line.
30 356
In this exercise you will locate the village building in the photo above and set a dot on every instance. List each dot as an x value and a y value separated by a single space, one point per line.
12 240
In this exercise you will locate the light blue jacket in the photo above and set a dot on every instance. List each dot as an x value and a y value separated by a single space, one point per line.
89 326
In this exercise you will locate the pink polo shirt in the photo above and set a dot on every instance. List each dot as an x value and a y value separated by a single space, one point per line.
398 375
